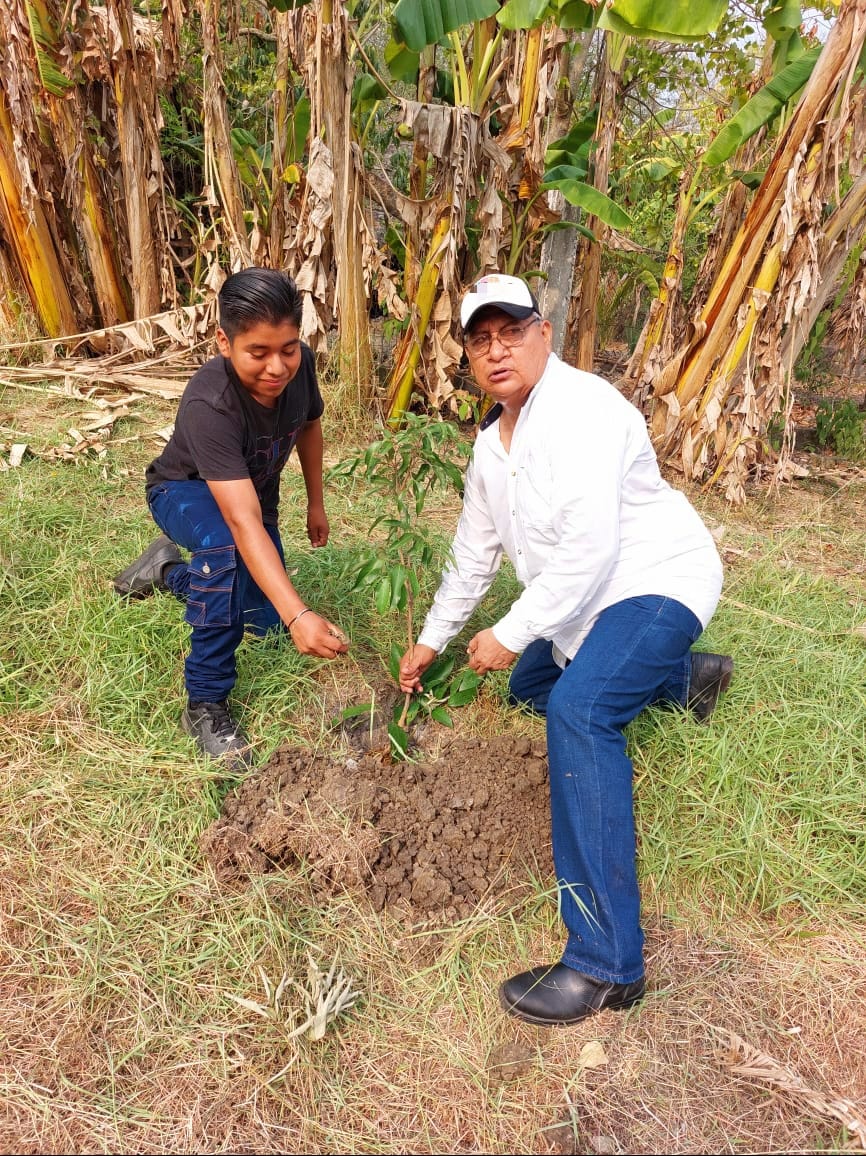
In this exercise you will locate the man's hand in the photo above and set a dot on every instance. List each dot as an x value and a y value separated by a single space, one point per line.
486 653
318 529
313 634
412 665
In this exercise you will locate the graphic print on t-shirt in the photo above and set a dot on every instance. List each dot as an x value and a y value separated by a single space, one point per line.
269 456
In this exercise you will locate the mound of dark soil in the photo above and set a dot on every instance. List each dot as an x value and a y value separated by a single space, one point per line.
436 836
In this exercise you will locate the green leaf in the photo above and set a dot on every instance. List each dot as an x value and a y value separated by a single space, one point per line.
402 62
468 680
383 595
595 203
423 22
462 697
573 148
575 14
767 103
399 740
363 708
783 18
564 173
394 661
367 89
397 576
751 178
523 13
440 714
438 671
675 20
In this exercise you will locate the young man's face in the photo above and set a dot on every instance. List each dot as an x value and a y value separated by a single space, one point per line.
265 357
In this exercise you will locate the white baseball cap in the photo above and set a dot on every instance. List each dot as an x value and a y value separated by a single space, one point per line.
510 294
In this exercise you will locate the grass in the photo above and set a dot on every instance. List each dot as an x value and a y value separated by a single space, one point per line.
120 954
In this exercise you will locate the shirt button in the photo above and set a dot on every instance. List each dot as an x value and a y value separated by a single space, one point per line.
514 473
205 569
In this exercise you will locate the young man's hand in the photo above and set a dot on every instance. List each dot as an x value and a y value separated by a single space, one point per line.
313 634
487 653
318 529
412 665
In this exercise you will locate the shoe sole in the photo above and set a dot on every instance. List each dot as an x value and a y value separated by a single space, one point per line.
514 1010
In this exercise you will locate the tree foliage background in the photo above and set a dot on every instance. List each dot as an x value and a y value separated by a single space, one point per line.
683 178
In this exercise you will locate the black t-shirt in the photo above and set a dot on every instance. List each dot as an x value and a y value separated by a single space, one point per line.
222 433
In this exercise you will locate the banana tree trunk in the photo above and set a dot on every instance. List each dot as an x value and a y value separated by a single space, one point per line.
335 78
418 175
143 183
655 344
408 353
30 242
843 232
582 325
720 391
559 248
280 198
221 170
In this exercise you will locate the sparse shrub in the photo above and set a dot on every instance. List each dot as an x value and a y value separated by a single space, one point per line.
841 426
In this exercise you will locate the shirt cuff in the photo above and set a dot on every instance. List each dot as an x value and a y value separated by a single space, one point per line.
509 633
436 639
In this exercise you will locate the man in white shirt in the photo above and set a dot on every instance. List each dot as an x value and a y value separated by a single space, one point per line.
620 576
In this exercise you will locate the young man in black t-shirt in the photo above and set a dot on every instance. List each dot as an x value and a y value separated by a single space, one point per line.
214 491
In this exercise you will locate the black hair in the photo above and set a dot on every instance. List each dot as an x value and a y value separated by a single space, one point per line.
254 295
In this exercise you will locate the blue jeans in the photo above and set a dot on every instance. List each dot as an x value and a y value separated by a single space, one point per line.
222 599
637 653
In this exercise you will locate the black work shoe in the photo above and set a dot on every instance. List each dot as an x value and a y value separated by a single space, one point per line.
146 574
710 678
558 994
217 733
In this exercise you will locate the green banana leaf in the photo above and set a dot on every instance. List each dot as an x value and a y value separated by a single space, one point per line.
676 20
592 201
423 22
523 13
763 106
783 18
573 148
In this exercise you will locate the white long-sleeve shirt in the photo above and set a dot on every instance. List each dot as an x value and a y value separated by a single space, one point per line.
580 508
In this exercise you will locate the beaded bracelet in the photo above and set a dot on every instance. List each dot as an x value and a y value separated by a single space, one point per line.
300 614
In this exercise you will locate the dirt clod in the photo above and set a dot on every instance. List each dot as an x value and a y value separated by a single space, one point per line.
509 1061
436 836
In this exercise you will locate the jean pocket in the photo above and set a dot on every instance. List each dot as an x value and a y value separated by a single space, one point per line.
212 584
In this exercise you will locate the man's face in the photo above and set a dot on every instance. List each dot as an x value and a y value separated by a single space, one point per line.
265 357
508 373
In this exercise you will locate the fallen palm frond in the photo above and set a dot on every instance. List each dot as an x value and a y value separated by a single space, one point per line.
753 1064
154 355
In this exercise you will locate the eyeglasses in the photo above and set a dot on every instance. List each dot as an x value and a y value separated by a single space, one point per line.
477 344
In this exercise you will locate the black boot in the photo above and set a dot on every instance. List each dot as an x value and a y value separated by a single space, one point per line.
710 678
147 573
558 994
217 733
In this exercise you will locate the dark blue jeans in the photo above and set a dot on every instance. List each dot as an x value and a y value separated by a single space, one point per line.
222 600
637 653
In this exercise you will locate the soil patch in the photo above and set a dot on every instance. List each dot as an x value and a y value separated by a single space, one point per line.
435 836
